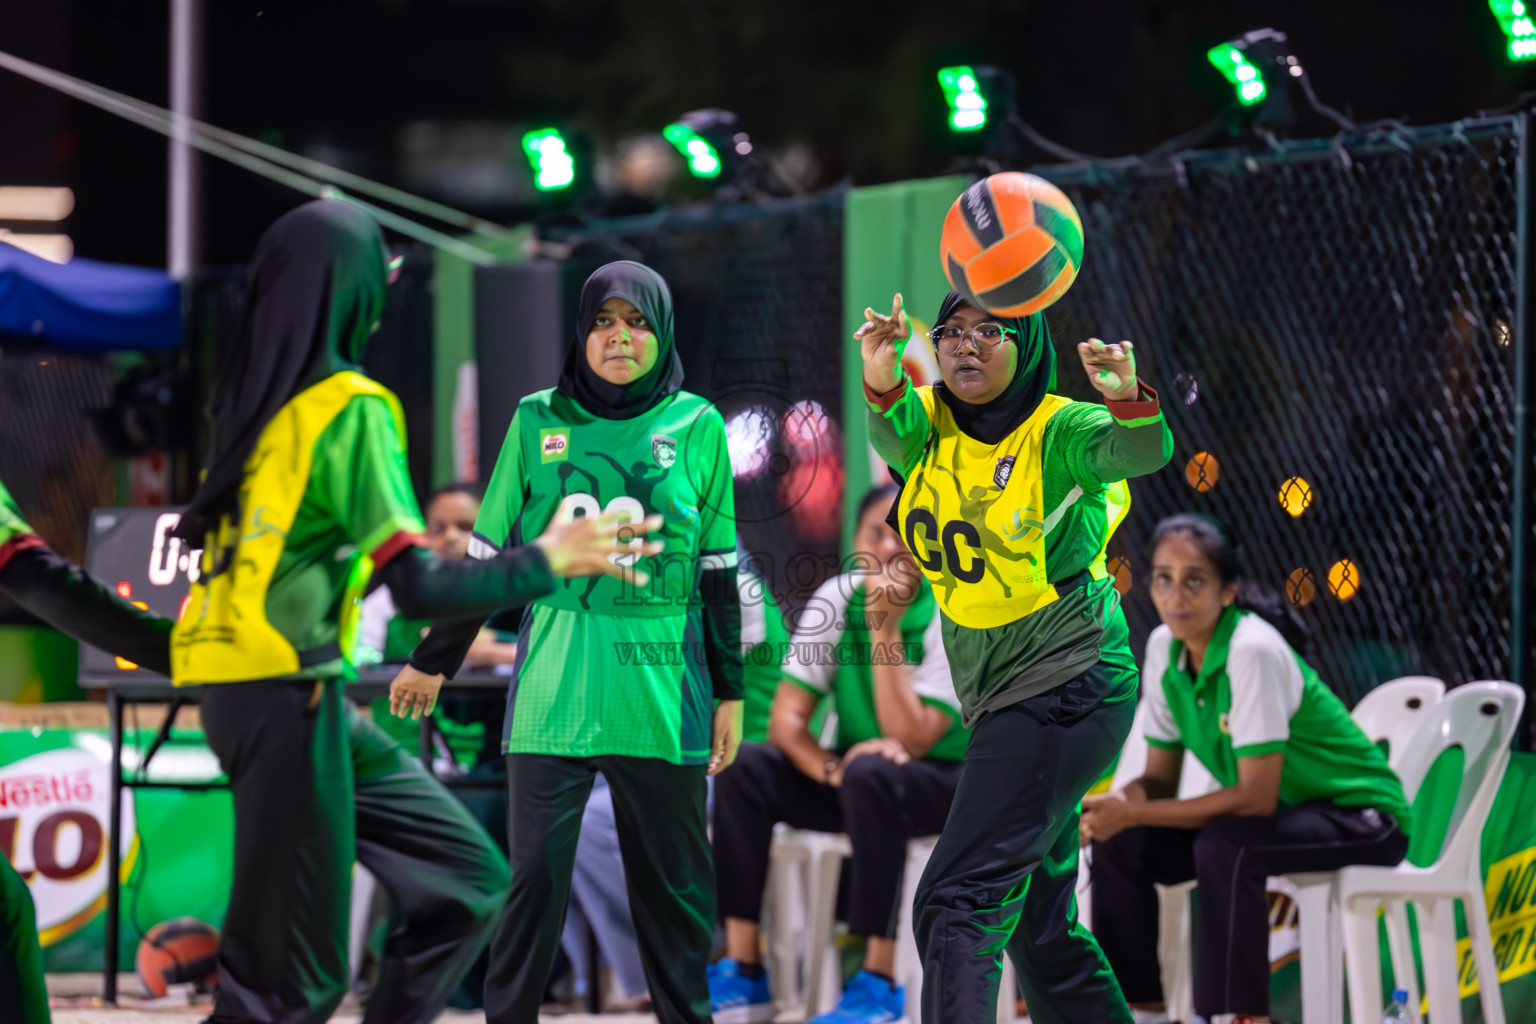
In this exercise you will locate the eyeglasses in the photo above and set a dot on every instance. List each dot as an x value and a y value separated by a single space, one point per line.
985 337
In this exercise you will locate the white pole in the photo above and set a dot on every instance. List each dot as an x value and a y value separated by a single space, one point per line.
181 240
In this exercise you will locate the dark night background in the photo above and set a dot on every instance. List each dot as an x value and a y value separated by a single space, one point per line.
852 84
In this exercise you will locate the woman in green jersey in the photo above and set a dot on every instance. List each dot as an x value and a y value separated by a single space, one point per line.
1010 495
1302 788
39 581
305 493
601 682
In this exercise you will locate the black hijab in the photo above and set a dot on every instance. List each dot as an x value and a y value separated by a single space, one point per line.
647 291
317 285
1034 377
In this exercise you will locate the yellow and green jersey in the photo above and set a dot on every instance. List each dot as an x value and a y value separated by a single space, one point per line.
602 665
326 494
1012 535
1253 695
15 533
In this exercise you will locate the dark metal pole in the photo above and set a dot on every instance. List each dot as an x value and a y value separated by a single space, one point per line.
114 850
594 983
1524 340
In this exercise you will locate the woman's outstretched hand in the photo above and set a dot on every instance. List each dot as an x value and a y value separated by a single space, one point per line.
1111 369
878 339
605 545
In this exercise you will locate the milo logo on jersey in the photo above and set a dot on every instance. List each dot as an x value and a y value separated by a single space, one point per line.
555 444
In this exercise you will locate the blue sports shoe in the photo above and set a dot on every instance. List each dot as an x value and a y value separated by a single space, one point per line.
737 999
867 999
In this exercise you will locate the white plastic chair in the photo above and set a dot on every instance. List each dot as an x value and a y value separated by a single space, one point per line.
1392 713
822 854
1481 719
817 857
364 887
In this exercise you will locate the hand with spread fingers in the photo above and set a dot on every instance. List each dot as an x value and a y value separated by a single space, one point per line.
1111 369
879 339
606 545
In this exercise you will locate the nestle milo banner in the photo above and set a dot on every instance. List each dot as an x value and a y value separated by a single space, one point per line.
54 813
1509 873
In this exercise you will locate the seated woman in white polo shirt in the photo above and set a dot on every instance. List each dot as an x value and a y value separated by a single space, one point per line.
1303 789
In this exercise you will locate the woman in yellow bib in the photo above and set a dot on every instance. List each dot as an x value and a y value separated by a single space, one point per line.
1010 495
305 495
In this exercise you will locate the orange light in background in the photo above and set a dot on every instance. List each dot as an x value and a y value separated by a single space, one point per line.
1300 586
1344 579
1202 471
1295 496
125 590
1120 568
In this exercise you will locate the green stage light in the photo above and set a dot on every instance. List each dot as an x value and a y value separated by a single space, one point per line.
967 106
1519 28
703 159
552 164
1235 66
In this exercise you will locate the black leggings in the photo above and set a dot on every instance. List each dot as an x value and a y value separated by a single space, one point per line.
1005 870
1231 858
660 816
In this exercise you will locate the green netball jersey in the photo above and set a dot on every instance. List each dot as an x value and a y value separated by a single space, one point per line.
12 524
602 663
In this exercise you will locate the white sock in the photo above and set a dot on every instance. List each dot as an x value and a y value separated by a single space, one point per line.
1150 1016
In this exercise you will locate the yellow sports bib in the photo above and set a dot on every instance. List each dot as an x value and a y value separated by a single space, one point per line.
973 516
225 636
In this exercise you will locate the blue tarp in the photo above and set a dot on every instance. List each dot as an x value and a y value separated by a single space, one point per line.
87 306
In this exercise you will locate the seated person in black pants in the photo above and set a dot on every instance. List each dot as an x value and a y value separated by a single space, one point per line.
1303 789
871 640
